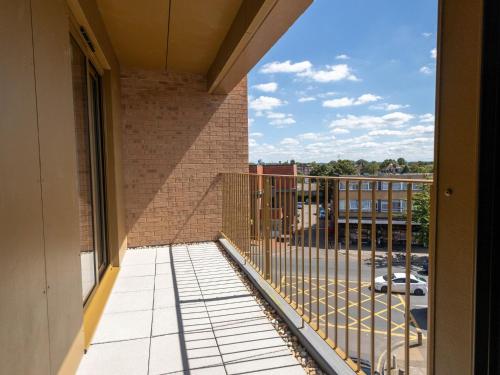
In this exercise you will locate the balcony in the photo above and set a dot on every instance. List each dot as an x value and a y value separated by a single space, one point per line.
183 308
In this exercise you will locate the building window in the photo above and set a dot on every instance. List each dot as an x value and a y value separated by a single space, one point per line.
366 205
342 205
353 186
396 186
398 205
366 186
353 204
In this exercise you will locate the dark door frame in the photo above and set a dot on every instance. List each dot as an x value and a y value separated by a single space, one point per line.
487 299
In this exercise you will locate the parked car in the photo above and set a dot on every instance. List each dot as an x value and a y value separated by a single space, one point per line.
299 205
418 285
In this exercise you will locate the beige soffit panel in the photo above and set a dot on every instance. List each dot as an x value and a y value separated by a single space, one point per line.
257 27
196 32
138 31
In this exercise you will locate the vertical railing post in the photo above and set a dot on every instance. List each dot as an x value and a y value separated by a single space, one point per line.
267 228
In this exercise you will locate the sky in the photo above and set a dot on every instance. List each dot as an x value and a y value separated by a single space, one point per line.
349 80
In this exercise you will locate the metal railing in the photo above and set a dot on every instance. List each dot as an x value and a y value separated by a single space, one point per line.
325 256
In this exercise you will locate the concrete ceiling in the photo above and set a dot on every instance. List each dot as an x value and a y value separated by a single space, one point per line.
177 35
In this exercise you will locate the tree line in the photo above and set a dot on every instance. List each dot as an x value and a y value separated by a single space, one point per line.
344 167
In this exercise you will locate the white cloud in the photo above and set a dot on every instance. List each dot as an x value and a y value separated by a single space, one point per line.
426 35
252 142
327 94
375 133
250 121
389 106
267 87
306 99
256 135
265 103
283 122
418 130
347 102
286 67
340 102
342 56
425 70
433 53
367 98
289 141
340 131
310 136
397 118
371 122
332 73
274 115
418 147
427 117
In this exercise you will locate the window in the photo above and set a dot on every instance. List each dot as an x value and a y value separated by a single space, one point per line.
90 155
366 205
342 205
366 186
353 186
353 204
398 205
396 186
399 186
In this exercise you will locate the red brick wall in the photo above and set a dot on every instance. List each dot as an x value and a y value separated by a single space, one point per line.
177 138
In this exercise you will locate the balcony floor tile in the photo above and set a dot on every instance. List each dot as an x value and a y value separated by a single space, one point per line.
183 309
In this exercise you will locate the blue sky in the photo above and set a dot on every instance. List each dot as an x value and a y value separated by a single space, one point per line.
350 80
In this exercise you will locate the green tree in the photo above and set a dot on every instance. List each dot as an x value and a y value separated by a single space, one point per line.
401 162
320 169
421 214
343 168
371 168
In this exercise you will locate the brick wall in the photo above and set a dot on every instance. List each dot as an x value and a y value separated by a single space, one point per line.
176 140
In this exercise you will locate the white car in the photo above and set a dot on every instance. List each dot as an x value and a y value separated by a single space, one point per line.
418 285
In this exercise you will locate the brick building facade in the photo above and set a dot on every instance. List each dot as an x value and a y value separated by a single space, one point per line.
177 138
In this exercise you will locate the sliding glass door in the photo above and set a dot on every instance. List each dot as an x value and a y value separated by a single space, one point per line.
87 98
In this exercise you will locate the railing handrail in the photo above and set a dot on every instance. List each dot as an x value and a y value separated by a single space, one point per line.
342 178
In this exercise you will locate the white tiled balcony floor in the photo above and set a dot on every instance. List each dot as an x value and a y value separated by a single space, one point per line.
184 310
